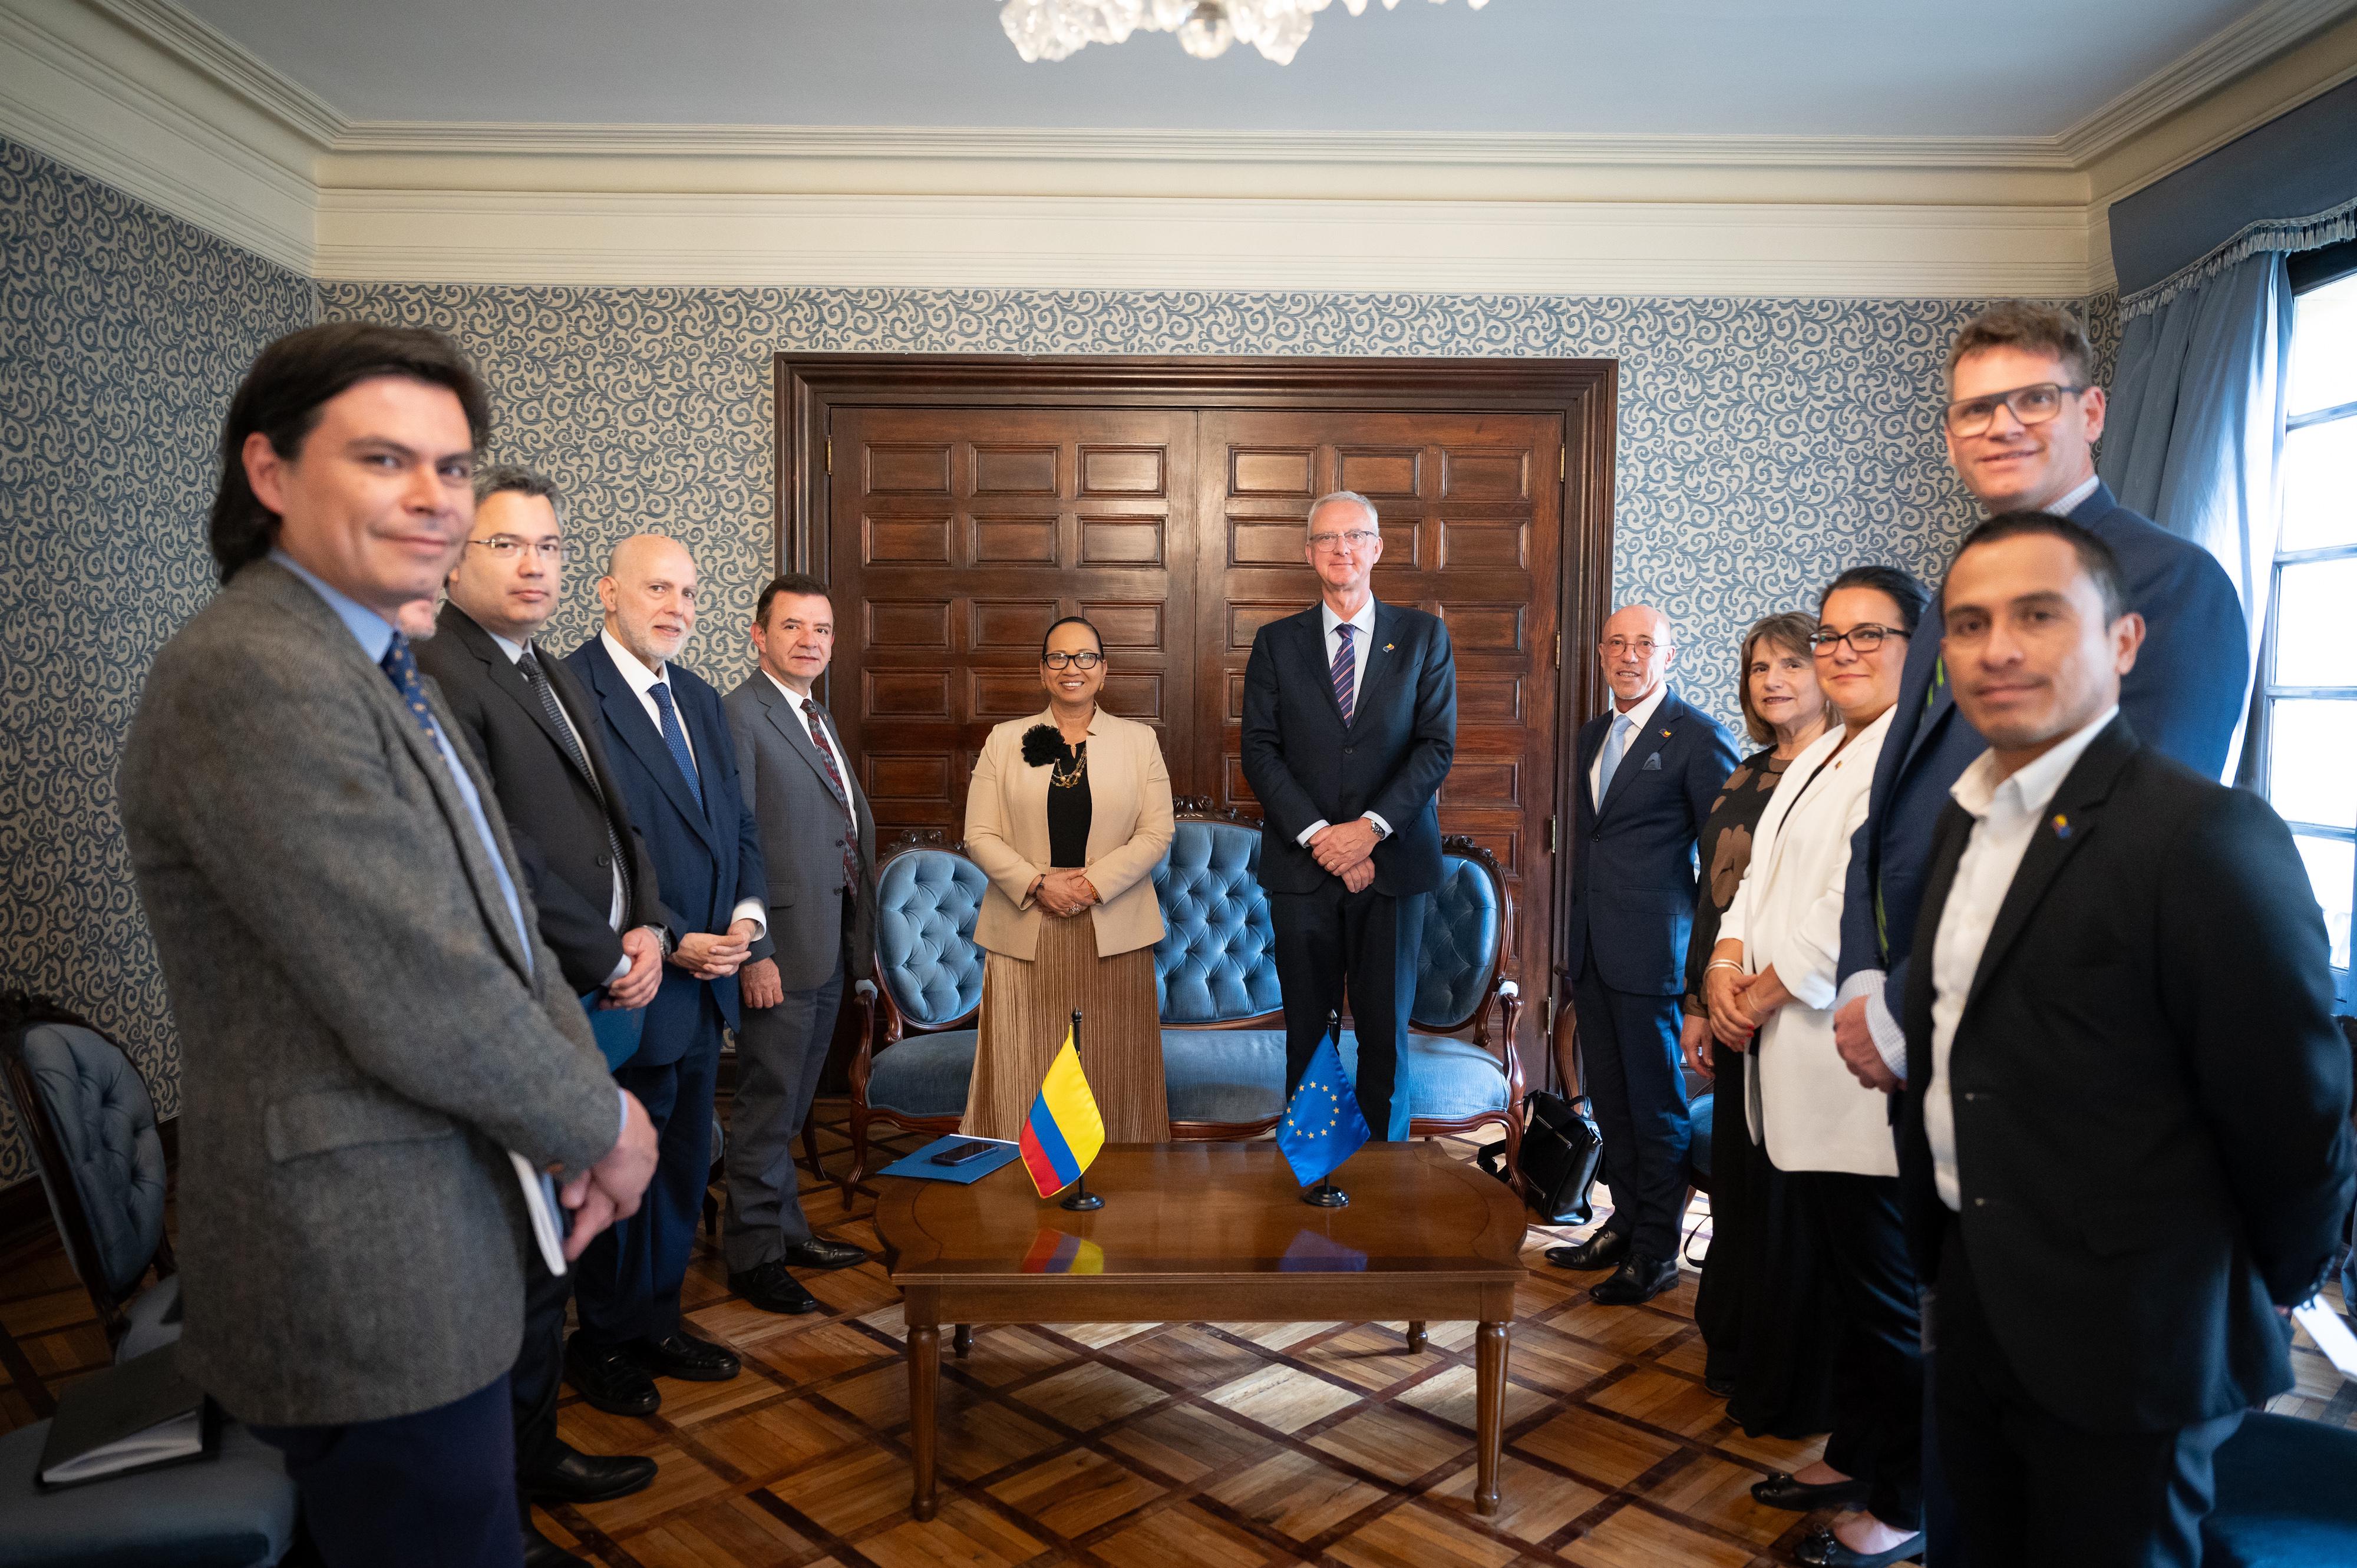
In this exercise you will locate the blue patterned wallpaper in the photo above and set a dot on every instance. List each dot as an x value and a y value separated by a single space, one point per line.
123 333
1764 444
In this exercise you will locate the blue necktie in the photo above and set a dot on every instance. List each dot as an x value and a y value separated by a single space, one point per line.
1346 668
399 667
676 738
1615 742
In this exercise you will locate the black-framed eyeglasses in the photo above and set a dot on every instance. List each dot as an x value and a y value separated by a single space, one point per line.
1072 660
1863 638
507 547
2033 404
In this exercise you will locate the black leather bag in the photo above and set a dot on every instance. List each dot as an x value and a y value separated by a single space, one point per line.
1561 1152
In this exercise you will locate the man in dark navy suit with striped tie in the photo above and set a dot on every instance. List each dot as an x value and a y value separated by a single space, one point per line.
1350 726
675 761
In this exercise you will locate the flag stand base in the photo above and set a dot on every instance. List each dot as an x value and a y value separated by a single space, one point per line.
1081 1198
1326 1195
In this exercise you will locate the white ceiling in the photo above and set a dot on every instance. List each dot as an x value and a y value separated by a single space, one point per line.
1868 68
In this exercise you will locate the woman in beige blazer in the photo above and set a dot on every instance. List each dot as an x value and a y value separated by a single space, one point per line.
1069 812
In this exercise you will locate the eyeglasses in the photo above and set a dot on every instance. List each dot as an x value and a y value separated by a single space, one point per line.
507 547
2030 404
1643 647
1072 660
1356 539
1861 638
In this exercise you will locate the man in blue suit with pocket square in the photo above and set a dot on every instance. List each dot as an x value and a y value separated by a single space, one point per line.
675 760
1648 770
1350 726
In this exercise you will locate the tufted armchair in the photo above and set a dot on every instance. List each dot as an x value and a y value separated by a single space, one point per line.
1216 987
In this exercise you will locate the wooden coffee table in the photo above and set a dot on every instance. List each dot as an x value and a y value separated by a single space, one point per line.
1208 1233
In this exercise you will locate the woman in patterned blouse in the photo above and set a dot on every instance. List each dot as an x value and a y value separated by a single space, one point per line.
1769 1326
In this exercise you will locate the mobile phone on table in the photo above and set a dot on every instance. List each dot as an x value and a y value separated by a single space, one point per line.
958 1153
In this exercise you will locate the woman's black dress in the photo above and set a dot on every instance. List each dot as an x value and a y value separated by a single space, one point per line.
1770 1325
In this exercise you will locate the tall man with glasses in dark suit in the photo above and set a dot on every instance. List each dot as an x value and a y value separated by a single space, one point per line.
668 737
1350 725
536 735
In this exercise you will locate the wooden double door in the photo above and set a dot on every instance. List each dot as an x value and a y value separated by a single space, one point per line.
954 527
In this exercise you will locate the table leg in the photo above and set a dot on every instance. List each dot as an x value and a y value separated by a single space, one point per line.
924 1384
1416 1337
963 1340
1490 1379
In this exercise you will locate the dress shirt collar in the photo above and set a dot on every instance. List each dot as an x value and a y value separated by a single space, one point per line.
514 650
1365 621
2074 498
1642 714
373 632
641 679
788 692
2030 787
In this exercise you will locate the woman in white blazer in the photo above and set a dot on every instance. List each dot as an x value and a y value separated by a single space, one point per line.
1770 984
1068 813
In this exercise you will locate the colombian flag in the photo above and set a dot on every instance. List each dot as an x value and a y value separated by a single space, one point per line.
1064 1132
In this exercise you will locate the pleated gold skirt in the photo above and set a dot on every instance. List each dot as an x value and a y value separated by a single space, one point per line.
1026 1006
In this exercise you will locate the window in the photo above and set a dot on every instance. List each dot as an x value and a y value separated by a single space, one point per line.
2308 721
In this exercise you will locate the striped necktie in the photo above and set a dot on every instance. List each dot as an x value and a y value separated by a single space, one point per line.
841 795
676 738
1346 669
537 679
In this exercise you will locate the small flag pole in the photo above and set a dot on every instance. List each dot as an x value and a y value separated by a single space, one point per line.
1080 1199
1326 1195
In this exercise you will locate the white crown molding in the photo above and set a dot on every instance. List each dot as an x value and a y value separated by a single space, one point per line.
2232 51
212 53
1744 248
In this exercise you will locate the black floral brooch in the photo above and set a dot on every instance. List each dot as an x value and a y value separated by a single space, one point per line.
1043 745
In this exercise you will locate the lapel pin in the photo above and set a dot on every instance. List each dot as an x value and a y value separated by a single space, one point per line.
1665 734
1387 648
2062 826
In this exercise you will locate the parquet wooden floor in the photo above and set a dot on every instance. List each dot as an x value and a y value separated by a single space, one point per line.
1167 1445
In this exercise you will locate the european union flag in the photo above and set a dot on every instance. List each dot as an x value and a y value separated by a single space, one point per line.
1323 1127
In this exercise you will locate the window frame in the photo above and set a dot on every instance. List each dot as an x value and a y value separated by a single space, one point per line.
2343 260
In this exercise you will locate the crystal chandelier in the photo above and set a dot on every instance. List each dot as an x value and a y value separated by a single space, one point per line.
1053 29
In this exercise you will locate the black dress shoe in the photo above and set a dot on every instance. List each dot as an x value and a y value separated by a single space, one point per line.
1639 1278
772 1289
578 1478
680 1354
1719 1388
1821 1548
610 1380
539 1552
820 1253
1602 1251
1781 1491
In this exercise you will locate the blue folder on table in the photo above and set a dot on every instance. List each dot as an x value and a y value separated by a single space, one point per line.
921 1163
617 1028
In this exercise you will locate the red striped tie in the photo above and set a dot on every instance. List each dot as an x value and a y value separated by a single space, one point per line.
833 777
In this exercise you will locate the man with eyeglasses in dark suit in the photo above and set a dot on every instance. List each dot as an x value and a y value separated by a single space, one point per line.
593 883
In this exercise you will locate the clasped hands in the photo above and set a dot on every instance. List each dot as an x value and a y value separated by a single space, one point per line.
609 1190
1739 1002
1346 849
1066 892
716 955
643 947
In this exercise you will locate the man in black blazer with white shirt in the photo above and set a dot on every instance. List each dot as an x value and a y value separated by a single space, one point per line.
2124 1138
1350 726
593 883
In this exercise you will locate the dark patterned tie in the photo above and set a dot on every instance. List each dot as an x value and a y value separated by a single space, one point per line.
399 667
537 679
842 796
1346 668
676 738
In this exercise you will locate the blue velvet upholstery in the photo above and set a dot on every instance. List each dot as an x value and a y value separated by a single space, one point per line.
924 1075
234 1511
1700 1113
926 900
106 1125
1461 945
1217 960
1238 1075
2287 1496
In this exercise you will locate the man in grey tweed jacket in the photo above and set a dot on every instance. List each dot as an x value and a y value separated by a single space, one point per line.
368 1023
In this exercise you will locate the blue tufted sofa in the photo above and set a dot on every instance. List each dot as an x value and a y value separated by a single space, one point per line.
1215 980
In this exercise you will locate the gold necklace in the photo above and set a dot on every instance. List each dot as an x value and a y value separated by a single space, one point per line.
1063 779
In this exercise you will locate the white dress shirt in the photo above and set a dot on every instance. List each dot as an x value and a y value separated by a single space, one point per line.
643 681
2005 815
1362 637
817 733
1889 1037
1638 718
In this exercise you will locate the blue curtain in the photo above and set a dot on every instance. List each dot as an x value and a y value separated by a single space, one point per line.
2195 431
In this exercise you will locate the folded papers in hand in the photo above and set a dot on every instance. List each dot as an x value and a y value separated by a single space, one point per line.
141 1415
